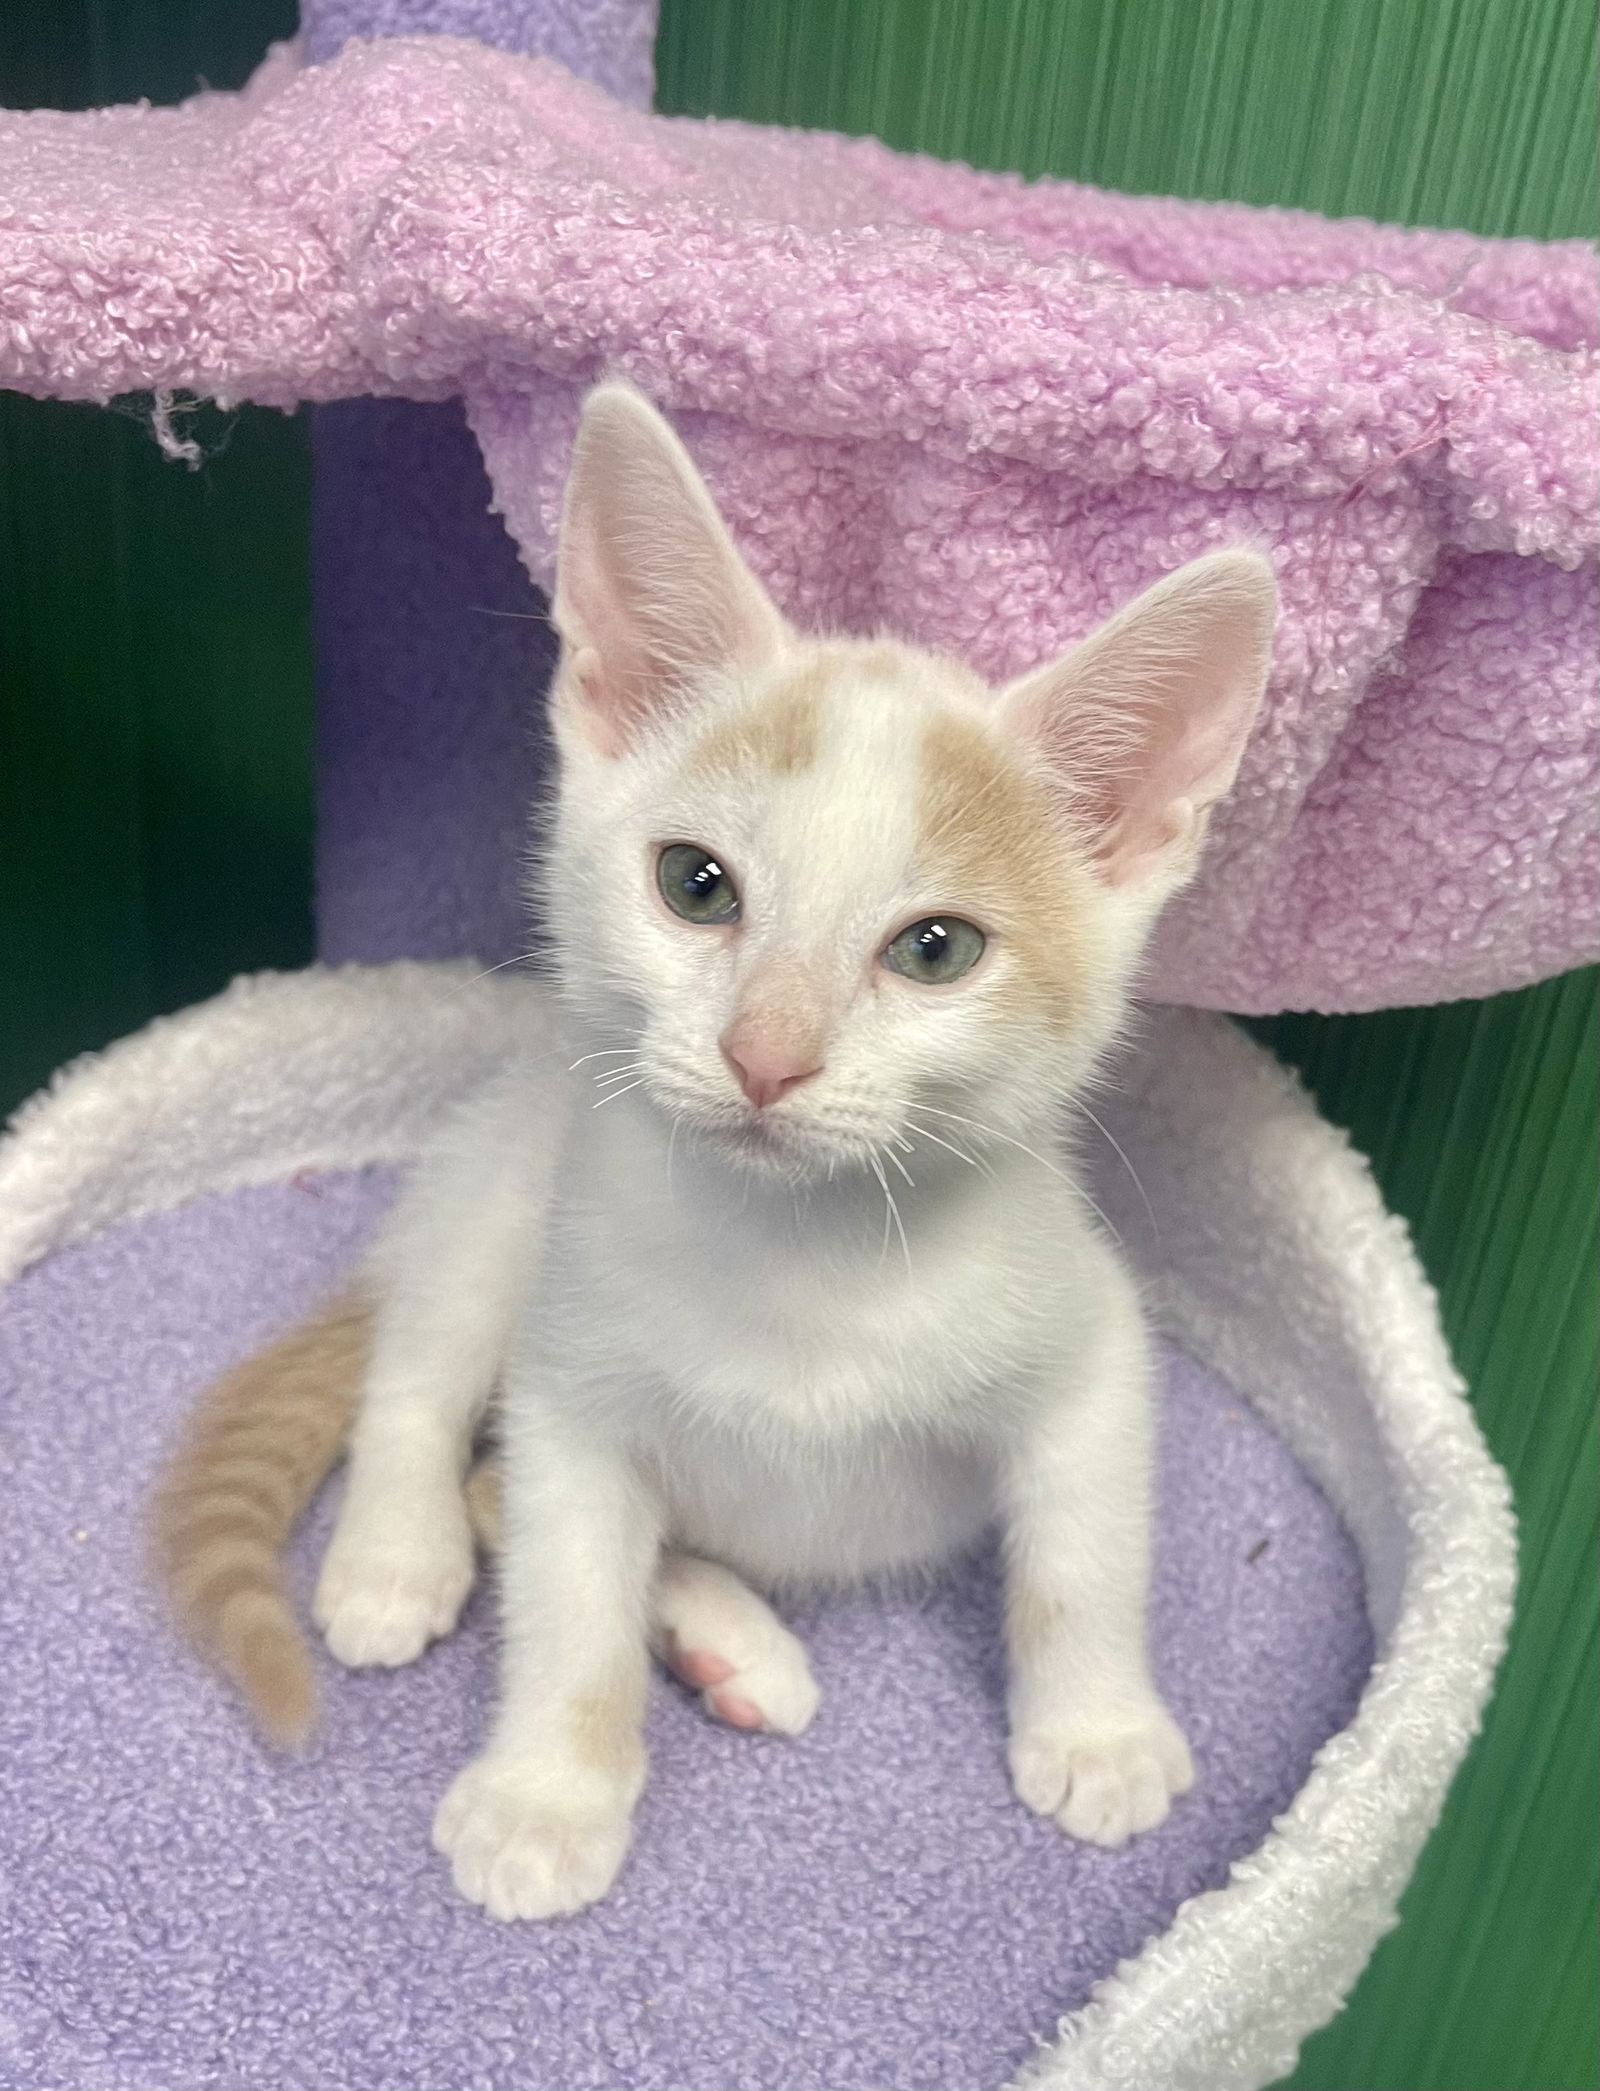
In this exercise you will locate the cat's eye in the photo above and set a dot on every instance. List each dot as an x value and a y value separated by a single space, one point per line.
694 884
939 948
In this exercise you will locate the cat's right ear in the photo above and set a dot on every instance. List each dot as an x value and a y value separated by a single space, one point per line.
651 594
1145 722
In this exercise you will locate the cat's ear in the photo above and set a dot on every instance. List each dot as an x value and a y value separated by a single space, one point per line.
650 592
1145 721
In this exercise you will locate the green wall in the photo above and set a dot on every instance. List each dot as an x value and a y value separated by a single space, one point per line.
1477 113
155 662
155 793
155 722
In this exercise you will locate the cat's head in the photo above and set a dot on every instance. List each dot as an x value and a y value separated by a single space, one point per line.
819 895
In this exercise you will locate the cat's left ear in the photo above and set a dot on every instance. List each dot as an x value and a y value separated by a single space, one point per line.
1145 721
651 593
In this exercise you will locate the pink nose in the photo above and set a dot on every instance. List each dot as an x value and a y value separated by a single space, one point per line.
767 1072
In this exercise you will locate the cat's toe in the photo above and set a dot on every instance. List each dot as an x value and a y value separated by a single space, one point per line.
778 1686
1113 1792
521 1852
770 1689
1103 1782
383 1608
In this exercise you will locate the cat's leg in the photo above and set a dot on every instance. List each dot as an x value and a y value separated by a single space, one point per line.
539 1823
450 1277
1091 1742
713 1631
400 1563
483 1493
710 1629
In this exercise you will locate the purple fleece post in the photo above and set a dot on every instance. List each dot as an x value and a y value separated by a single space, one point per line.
430 692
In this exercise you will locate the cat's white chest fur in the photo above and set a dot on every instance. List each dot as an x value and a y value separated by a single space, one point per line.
816 1396
820 1311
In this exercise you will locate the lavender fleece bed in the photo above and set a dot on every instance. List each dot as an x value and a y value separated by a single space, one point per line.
867 1908
981 412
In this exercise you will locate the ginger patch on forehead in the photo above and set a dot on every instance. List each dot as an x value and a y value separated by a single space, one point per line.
777 732
990 838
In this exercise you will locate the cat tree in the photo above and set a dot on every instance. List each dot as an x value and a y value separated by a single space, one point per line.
982 413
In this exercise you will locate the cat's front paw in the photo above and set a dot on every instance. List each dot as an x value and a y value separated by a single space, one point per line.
519 1848
1106 1779
383 1602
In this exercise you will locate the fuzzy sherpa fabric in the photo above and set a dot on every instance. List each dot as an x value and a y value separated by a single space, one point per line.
868 1907
1266 1253
980 412
432 649
433 654
611 42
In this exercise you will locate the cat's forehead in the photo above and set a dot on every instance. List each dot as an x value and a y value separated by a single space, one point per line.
833 758
829 705
868 772
898 753
883 759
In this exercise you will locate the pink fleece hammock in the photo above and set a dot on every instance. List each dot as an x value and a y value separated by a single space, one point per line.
979 412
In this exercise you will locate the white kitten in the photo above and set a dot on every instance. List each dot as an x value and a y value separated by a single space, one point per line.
784 1280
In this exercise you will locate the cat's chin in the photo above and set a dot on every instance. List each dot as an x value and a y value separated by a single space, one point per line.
779 1149
786 1148
768 1148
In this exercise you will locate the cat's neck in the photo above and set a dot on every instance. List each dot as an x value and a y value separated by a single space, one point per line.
899 1192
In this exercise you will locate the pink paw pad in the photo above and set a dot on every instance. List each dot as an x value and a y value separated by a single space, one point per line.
699 1666
737 1712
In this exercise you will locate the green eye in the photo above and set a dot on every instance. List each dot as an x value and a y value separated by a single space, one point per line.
694 885
942 947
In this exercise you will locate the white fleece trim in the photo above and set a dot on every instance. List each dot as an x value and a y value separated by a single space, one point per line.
1271 1260
332 1068
1278 1266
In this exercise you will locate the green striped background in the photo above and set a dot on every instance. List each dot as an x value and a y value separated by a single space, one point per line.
155 801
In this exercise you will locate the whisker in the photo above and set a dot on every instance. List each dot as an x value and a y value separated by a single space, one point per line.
960 1153
615 1093
993 1132
606 1053
1106 1132
899 1226
889 1155
894 1214
522 958
615 1074
877 1169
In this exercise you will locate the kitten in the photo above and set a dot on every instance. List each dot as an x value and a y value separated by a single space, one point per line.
805 1293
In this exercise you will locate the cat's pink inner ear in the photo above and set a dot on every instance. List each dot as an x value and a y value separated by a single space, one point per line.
1144 723
651 594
